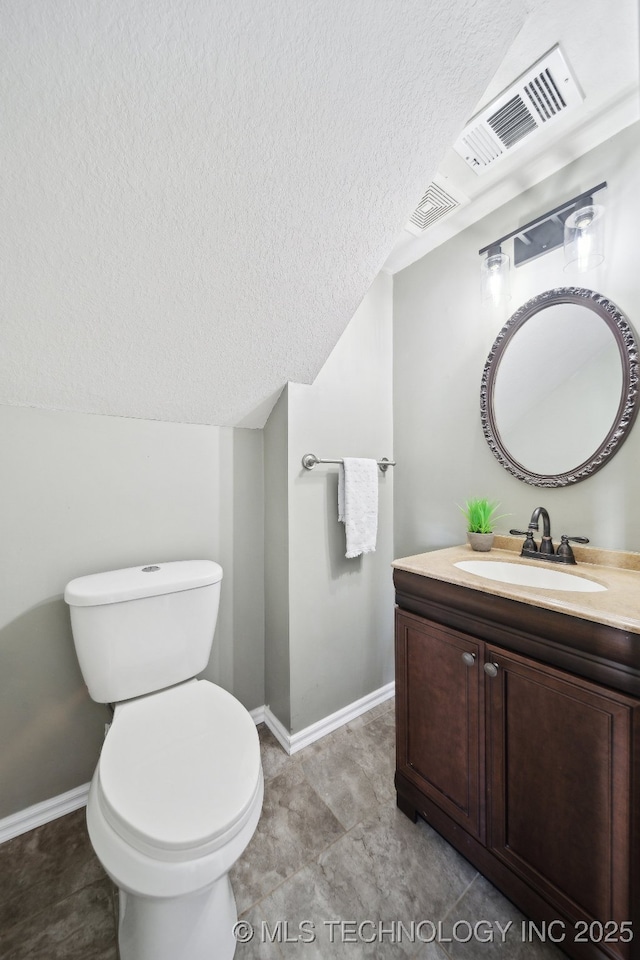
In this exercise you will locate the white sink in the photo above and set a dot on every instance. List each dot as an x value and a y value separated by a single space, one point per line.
522 575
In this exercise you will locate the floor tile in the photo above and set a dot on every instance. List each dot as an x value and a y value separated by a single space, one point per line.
354 772
295 826
275 759
255 939
385 870
45 866
80 927
430 949
483 904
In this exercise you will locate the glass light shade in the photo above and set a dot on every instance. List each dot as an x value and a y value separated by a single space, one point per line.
494 278
584 238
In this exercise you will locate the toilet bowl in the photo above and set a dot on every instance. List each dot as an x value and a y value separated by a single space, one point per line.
177 792
173 803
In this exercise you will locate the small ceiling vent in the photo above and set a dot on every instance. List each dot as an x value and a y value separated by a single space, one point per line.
545 92
438 202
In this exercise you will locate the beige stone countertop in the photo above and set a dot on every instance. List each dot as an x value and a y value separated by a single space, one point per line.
618 571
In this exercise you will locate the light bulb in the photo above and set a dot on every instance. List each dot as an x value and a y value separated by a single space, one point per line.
584 238
495 278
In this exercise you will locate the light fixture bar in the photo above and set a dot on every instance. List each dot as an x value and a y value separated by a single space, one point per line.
553 215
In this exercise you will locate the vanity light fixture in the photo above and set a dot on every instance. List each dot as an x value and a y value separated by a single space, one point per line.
584 236
578 224
495 276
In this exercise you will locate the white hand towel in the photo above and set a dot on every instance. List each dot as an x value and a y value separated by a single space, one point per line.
358 504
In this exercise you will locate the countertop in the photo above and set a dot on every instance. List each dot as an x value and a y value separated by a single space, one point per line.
619 571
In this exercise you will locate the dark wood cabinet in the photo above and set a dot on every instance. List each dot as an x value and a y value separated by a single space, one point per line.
531 771
558 778
441 750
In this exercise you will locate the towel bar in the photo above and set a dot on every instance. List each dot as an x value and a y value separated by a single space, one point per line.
310 460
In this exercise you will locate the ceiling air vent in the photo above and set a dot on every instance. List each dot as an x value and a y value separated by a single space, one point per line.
437 203
545 92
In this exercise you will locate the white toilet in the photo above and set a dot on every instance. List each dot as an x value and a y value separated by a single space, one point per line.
178 789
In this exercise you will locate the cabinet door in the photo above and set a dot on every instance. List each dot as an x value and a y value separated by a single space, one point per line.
439 716
559 758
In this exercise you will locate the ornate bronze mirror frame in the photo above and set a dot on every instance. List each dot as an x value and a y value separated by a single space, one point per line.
558 399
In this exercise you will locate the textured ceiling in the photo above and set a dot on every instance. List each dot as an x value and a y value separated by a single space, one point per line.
197 195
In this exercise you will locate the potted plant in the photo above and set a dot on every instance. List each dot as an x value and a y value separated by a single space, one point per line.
480 520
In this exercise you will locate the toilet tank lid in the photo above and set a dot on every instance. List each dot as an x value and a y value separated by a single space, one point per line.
134 583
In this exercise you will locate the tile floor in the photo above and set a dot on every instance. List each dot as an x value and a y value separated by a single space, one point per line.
334 870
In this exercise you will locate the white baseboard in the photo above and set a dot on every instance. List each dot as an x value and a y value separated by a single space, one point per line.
292 742
279 731
257 715
41 813
48 810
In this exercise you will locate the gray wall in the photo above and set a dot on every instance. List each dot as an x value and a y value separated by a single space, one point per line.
276 573
84 493
442 336
329 619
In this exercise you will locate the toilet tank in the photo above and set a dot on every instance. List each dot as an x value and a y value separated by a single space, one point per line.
144 628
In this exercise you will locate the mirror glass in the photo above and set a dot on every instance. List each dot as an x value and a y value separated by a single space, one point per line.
559 390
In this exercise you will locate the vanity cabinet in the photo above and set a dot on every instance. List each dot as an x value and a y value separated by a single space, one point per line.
531 770
438 697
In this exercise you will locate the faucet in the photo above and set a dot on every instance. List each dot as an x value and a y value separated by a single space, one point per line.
546 551
546 544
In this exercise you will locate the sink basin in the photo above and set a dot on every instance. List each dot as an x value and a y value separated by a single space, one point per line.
522 575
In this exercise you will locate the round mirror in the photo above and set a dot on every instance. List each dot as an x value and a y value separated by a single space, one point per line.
560 387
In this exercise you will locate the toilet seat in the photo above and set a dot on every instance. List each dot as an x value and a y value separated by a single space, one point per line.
180 771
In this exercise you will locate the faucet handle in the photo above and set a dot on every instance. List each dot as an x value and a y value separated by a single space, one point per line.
565 551
529 545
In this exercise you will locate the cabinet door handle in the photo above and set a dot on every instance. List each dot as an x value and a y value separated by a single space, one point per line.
491 669
469 658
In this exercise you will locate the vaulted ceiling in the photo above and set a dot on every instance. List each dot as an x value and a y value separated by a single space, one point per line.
601 52
196 196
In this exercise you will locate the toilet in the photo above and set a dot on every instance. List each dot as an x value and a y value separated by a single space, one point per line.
178 789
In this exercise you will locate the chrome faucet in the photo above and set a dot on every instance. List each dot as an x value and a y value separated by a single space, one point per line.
546 550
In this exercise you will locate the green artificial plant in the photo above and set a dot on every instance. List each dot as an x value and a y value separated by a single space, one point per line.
480 514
